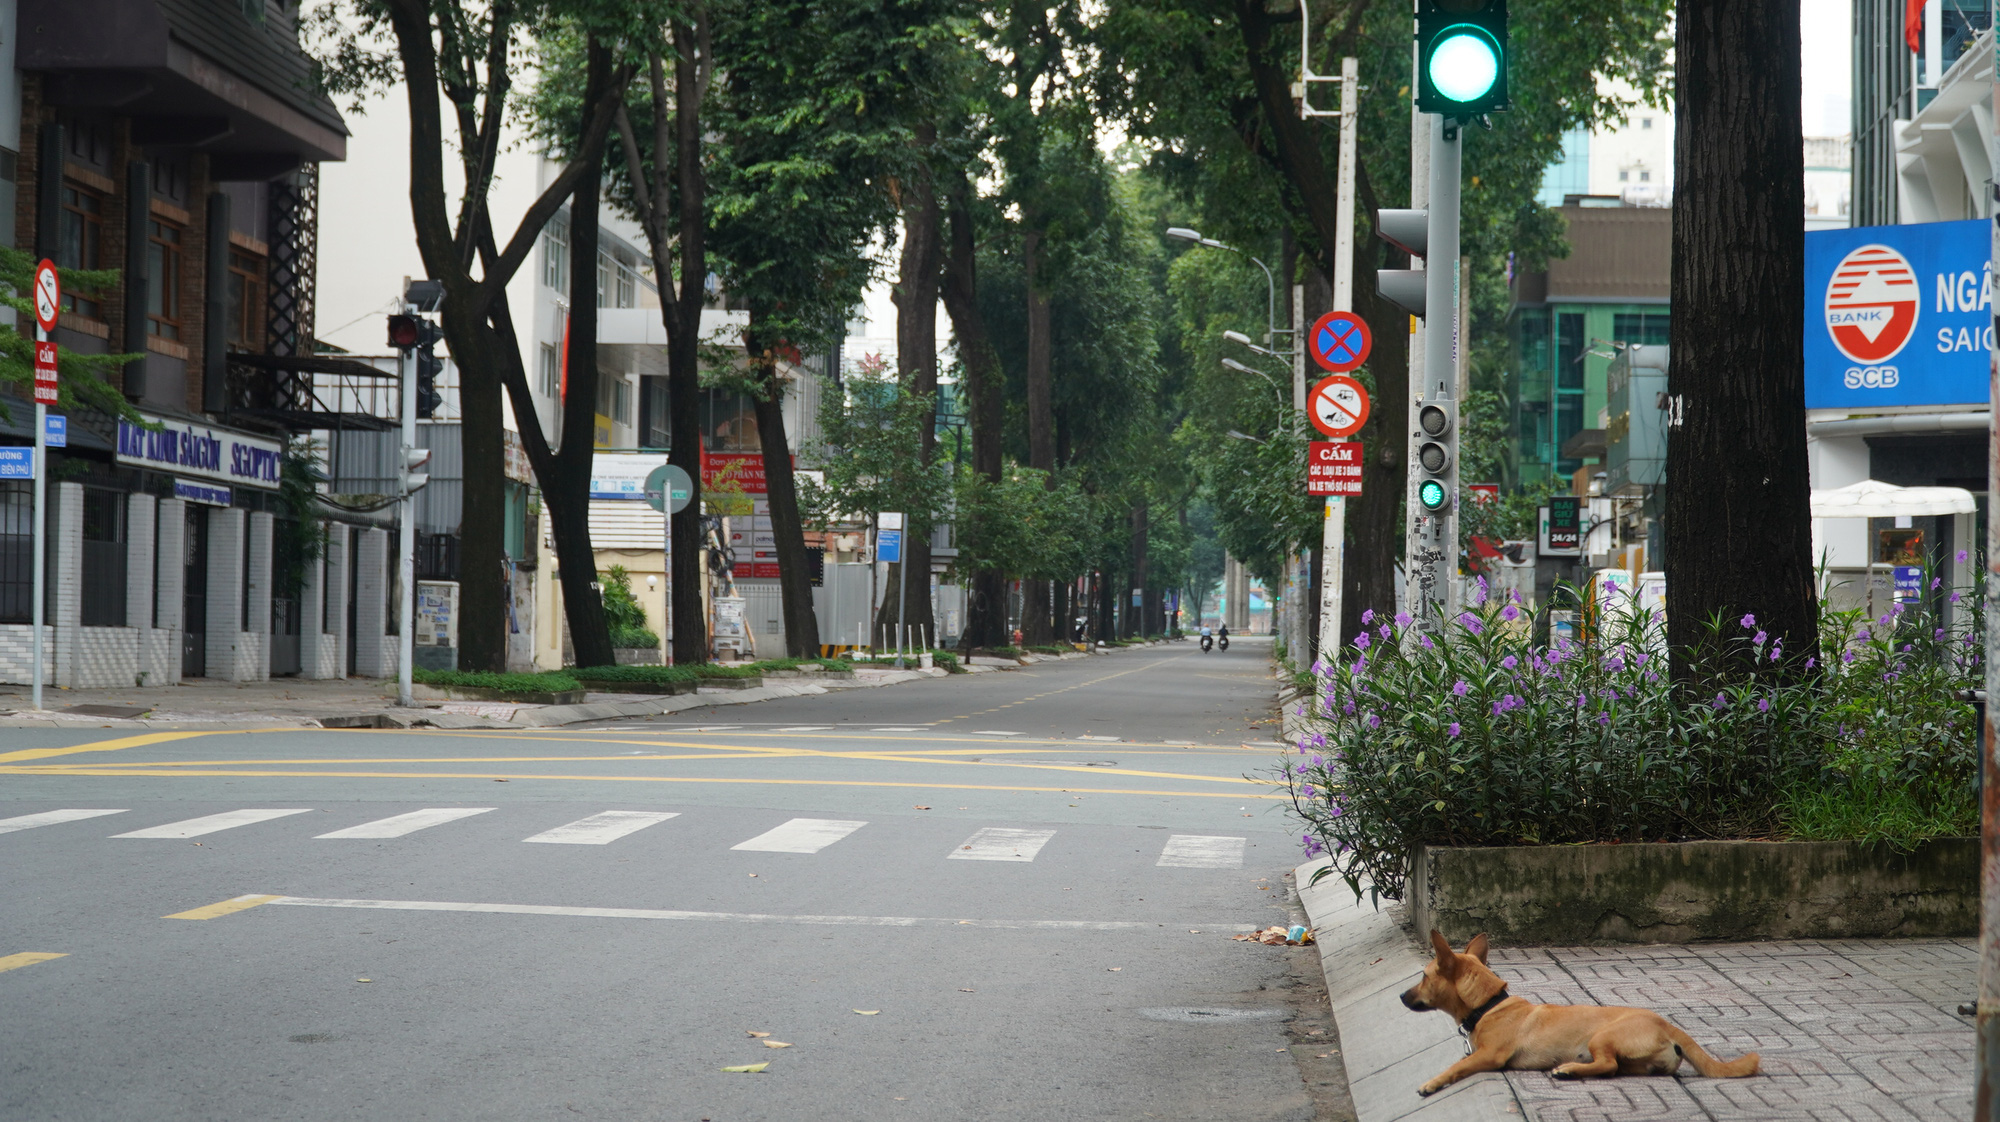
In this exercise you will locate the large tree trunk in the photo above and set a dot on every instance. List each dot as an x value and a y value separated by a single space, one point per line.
566 492
690 643
986 623
1140 534
1738 500
916 298
1035 607
787 529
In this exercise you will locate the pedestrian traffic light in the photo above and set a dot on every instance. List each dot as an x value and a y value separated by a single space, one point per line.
1437 443
1461 57
403 331
1409 231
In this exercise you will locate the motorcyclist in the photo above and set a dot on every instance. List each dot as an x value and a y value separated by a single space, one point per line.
1207 639
1223 638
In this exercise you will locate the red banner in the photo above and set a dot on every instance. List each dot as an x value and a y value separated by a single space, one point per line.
735 471
1333 467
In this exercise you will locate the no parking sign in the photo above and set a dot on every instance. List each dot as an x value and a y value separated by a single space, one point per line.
1339 342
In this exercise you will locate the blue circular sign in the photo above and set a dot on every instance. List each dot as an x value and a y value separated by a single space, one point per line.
1339 341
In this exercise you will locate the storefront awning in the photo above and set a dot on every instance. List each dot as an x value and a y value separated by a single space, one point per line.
1872 498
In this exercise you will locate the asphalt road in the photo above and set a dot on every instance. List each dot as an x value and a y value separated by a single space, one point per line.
980 914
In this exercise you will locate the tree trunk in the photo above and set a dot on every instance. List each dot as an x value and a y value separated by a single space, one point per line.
916 298
1738 507
1140 532
567 493
787 530
684 348
986 623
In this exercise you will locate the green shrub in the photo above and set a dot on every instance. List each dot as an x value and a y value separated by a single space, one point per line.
548 681
634 638
1478 737
643 674
623 614
1051 648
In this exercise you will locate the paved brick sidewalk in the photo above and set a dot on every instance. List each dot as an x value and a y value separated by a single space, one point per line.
1850 1030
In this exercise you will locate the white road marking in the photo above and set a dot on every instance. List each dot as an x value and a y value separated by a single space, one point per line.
1111 739
801 835
995 843
805 728
1197 851
605 828
398 825
50 818
746 917
995 732
900 729
209 824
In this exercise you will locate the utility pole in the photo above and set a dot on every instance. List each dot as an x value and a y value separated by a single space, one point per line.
1333 539
1986 1100
407 333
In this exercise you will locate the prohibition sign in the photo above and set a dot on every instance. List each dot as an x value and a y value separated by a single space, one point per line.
48 295
1338 406
1339 341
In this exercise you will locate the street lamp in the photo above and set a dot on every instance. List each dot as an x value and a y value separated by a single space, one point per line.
1240 368
1271 282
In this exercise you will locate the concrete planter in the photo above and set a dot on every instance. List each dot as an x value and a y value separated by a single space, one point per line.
636 656
521 697
1695 891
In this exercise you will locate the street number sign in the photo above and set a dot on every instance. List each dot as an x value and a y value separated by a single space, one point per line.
48 295
1338 406
668 489
1339 341
1333 467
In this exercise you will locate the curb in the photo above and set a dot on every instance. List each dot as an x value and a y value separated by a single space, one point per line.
1369 960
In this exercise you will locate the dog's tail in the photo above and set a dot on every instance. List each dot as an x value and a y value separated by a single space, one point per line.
1708 1065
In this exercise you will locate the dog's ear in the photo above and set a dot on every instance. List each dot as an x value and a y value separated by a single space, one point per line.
1447 962
1477 948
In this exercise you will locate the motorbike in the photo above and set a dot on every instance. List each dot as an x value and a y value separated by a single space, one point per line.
1224 641
1207 642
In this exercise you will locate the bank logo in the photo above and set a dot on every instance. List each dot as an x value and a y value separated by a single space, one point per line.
1873 377
1871 306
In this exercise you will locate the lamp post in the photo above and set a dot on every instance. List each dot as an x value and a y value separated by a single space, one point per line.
1270 281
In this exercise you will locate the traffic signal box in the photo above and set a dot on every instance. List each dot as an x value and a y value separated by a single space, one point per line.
416 333
1437 468
1462 57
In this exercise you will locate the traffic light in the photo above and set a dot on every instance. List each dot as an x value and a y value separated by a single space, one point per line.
1461 57
1437 447
413 479
404 331
408 332
1409 231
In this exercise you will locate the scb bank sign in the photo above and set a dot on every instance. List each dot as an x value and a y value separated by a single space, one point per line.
1898 315
201 451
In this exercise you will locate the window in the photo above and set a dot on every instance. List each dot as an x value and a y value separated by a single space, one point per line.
1645 177
1569 353
621 402
17 553
551 371
1645 122
103 558
555 257
628 285
243 311
1644 328
1624 177
606 266
163 292
82 241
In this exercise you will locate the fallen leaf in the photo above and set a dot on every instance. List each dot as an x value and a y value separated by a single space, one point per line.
1192 931
1281 1049
962 989
364 979
196 843
753 874
1114 969
920 808
867 1012
776 1044
503 781
961 847
748 1069
758 1035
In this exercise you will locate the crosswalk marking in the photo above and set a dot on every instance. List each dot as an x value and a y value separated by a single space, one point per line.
801 835
604 828
396 826
49 818
996 843
1196 851
209 824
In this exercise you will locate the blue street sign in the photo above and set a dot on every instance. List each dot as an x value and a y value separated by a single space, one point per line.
17 463
889 545
1909 583
55 431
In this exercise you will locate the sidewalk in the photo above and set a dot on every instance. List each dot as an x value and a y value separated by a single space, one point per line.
1849 1029
366 703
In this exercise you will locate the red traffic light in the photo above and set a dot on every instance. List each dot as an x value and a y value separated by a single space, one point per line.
404 331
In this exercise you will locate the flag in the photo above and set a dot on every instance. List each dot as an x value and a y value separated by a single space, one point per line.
1913 24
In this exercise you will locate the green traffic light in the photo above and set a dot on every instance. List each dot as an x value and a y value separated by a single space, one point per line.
1464 63
1431 493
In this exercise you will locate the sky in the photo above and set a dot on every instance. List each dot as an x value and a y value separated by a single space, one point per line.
1826 31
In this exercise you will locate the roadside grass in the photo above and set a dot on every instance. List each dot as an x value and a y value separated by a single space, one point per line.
1861 811
548 681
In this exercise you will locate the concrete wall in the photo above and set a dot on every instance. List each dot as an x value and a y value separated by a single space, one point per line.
375 650
1694 891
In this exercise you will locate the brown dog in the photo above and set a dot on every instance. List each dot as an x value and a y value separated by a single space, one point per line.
1567 1041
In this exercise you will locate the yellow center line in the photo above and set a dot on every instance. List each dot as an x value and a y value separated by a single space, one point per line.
227 907
26 958
63 770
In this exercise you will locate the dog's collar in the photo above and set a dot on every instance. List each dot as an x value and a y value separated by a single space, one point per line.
1472 1019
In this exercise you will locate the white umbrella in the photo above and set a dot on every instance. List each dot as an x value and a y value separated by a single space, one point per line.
1872 498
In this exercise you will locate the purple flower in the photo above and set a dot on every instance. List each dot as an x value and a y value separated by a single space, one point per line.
1471 622
1763 705
1639 658
1848 657
1302 749
1862 635
1361 640
1720 702
1313 847
1482 591
1749 621
1306 790
1425 642
1453 730
1936 582
1961 557
1498 709
1383 631
1368 616
1348 709
1758 639
1776 650
1317 762
1955 597
1938 634
1374 720
1459 688
1402 619
1509 663
1811 662
1614 664
1603 719
1510 613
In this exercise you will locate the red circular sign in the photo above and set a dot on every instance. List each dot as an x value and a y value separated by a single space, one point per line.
1339 341
48 295
1338 406
1871 303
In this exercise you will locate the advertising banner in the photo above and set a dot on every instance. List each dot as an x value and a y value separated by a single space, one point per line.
1898 315
189 448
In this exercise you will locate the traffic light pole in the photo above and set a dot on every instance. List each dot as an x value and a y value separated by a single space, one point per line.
1333 539
406 544
1433 557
